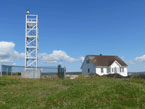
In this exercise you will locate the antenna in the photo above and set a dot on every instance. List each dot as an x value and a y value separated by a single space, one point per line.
31 40
27 11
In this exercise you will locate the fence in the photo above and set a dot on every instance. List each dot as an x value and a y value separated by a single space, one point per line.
61 72
48 70
73 73
0 73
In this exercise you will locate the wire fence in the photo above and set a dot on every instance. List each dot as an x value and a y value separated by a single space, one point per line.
47 70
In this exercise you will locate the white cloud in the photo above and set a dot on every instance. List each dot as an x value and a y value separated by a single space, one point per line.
82 59
18 55
122 57
57 56
6 48
130 62
7 52
140 59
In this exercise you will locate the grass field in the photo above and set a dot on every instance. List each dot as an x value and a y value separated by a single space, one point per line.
80 93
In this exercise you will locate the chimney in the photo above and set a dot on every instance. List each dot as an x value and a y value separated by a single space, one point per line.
101 55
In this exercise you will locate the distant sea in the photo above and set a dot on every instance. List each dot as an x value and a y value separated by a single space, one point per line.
135 73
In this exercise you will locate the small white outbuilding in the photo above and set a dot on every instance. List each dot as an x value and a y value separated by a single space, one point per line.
103 65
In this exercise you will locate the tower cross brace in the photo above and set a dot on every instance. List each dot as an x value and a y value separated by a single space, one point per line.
31 41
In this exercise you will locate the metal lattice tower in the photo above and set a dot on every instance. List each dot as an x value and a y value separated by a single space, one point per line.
31 41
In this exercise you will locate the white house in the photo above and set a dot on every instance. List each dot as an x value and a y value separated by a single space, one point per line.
103 65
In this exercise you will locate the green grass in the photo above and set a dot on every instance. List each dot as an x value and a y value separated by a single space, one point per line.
80 93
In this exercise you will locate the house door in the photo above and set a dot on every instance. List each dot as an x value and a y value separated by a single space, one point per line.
115 70
88 70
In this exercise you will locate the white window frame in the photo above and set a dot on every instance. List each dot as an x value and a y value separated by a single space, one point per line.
102 70
122 69
108 70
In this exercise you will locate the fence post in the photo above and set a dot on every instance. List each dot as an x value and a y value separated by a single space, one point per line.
7 71
1 70
64 72
59 70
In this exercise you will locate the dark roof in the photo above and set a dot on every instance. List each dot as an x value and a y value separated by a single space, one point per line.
102 60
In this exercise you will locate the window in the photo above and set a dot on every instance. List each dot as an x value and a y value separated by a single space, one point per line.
112 69
88 70
122 69
108 70
115 70
118 70
101 70
88 61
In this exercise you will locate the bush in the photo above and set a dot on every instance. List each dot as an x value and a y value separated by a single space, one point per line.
7 81
136 79
81 93
50 77
93 75
134 76
81 76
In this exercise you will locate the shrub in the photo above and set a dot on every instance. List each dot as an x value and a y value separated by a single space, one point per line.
93 75
81 76
134 76
136 79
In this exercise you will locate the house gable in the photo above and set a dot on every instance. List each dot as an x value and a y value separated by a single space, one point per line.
84 61
88 57
116 63
88 67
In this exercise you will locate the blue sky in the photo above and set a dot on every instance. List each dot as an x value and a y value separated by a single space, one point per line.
76 28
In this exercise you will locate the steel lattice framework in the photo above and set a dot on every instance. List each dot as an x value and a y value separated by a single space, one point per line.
31 41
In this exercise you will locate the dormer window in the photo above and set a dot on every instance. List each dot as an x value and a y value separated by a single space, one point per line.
88 61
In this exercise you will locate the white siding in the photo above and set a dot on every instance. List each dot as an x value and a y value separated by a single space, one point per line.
114 65
105 70
98 71
125 73
87 66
